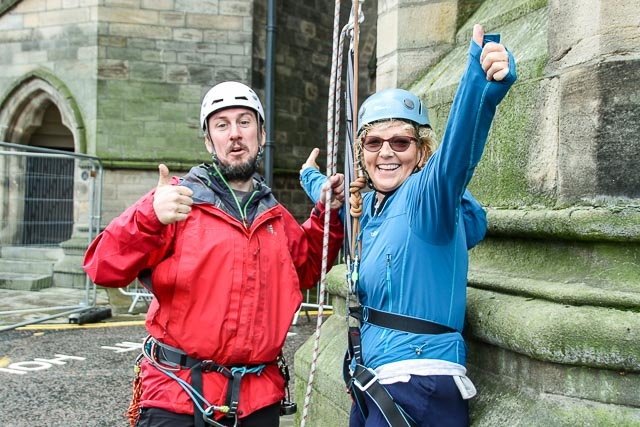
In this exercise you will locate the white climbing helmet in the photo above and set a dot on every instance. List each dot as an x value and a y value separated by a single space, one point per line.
229 94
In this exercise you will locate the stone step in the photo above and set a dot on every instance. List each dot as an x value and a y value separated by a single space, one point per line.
52 254
25 282
44 266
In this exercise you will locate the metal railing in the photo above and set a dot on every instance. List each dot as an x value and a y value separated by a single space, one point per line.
139 293
47 197
311 298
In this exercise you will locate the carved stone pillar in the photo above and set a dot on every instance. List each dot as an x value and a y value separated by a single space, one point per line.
412 36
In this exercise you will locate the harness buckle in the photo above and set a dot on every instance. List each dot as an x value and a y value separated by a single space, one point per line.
211 366
372 380
208 418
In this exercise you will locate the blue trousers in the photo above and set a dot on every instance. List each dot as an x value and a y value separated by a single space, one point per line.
429 400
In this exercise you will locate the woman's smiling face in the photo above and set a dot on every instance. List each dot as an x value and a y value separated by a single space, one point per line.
388 168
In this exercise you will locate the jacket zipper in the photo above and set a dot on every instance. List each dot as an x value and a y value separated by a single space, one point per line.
388 280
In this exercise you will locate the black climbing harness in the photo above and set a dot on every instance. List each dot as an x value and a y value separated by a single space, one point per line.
360 380
168 359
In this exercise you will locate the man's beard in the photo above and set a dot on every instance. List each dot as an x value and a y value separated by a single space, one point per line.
241 172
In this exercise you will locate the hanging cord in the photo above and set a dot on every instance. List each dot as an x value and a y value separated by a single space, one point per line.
242 211
133 412
333 126
330 166
359 183
356 184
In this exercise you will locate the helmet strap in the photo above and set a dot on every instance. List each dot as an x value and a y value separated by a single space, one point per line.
259 155
214 158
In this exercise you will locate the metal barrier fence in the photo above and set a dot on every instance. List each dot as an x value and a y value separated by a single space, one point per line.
47 198
139 294
311 299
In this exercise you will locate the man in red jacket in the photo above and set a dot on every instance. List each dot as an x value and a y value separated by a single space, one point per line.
225 262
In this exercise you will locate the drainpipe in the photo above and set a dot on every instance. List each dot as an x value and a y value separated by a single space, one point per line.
270 91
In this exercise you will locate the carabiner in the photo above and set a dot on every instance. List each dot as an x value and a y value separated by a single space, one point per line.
207 416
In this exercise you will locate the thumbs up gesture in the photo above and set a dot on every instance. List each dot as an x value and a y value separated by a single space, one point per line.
494 58
171 203
311 161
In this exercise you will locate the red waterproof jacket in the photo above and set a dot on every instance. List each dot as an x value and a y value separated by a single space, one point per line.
225 289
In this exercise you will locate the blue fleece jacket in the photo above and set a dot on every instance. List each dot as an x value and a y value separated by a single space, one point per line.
414 257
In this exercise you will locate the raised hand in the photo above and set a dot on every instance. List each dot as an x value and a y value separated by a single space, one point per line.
171 203
494 58
311 161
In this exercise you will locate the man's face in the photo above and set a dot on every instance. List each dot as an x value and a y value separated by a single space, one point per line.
236 137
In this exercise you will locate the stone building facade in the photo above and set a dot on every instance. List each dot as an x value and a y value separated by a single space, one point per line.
126 78
553 307
122 80
553 320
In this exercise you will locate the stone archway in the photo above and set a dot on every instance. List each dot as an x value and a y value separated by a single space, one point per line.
39 111
24 109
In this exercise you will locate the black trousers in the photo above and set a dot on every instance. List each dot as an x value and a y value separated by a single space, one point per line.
269 416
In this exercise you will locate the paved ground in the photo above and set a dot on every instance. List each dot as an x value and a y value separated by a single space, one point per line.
56 374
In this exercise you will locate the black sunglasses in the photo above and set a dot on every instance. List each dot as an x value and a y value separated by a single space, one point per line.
399 144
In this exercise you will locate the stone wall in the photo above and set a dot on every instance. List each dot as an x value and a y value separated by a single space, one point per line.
157 59
127 77
553 300
132 73
56 41
304 47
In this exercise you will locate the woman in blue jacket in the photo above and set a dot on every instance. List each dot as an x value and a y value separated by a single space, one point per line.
407 360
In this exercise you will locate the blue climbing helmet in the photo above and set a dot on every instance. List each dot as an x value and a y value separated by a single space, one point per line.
393 104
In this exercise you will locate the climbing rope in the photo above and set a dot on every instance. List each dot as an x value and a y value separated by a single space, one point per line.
333 130
330 167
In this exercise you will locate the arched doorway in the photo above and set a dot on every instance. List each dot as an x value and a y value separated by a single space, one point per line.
48 209
39 112
48 197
